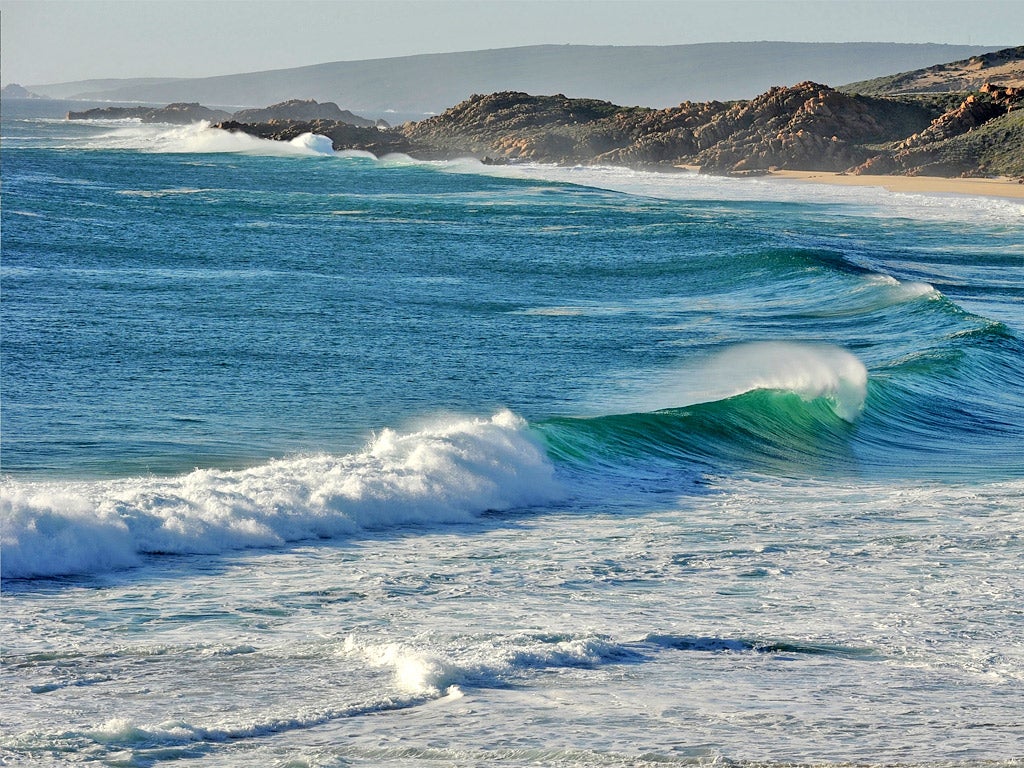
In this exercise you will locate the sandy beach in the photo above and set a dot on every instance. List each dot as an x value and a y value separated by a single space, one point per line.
1001 187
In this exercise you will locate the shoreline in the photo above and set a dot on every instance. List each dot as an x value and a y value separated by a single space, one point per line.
985 187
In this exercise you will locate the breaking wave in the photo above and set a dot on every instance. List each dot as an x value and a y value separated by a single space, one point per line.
446 473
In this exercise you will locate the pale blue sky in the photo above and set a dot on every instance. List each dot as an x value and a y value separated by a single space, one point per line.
46 41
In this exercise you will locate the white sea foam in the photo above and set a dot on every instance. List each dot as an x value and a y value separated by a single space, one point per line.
415 672
495 663
810 370
858 201
314 142
200 138
447 472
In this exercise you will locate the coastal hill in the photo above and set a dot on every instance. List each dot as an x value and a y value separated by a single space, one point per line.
1005 67
653 76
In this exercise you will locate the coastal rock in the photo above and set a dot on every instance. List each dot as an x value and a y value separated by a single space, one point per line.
184 113
970 114
995 148
177 114
300 110
517 126
110 113
804 127
295 110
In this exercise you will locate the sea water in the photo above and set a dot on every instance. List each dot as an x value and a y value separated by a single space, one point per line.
322 459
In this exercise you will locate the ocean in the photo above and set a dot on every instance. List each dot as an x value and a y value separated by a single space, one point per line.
316 459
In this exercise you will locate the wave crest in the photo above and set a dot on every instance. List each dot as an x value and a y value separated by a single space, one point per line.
812 371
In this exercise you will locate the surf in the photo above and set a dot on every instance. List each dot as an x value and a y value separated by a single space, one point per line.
448 472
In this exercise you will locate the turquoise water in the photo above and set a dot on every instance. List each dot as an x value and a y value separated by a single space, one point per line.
318 459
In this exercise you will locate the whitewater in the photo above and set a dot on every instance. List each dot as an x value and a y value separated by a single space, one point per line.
322 459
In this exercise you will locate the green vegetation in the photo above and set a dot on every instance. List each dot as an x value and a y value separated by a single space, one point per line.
998 145
879 86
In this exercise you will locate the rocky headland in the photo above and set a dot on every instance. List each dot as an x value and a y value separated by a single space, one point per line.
876 127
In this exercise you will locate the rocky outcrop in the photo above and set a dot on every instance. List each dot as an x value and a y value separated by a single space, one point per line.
111 113
177 114
299 110
184 113
807 126
969 115
980 136
516 126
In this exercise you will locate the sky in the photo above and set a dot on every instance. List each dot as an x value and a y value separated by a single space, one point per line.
50 41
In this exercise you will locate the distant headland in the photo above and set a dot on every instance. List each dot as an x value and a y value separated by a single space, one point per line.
16 91
183 113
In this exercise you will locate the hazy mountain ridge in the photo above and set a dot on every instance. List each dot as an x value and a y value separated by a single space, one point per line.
656 76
